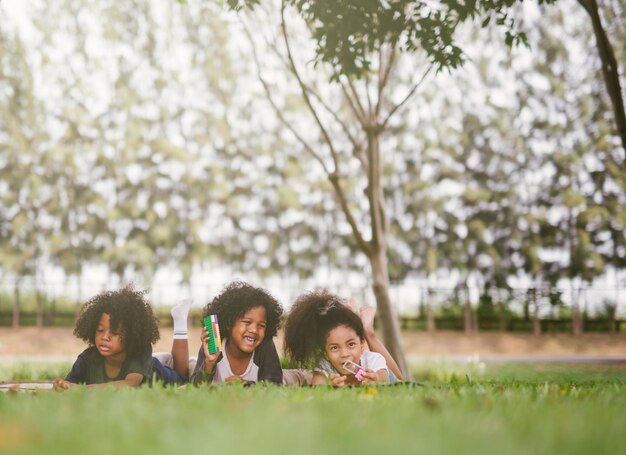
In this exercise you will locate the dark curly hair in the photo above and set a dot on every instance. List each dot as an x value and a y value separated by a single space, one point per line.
130 314
236 299
312 316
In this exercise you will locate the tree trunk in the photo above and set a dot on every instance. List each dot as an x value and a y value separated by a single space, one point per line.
536 321
612 324
388 318
15 323
501 317
609 69
78 297
431 325
616 308
526 309
375 248
39 310
467 320
577 322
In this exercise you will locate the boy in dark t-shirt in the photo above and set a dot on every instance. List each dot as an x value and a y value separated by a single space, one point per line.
120 328
89 368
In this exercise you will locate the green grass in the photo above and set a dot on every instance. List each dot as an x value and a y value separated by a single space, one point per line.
470 409
22 371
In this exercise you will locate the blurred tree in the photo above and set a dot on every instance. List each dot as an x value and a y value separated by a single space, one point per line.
129 138
613 11
348 35
137 150
26 192
362 41
513 156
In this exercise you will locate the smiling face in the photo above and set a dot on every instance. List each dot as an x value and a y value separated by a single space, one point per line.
343 343
248 331
109 342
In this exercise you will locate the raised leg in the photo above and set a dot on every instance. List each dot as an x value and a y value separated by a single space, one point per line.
368 314
180 344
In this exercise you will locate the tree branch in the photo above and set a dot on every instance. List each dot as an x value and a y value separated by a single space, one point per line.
406 98
344 126
362 114
303 88
367 92
385 71
332 176
609 69
279 113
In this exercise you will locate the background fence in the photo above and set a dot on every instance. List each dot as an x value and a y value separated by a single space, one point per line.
546 310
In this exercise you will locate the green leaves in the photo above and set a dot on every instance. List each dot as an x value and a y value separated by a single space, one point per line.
349 33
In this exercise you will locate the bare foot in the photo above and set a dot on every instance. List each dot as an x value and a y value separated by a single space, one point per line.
351 304
368 313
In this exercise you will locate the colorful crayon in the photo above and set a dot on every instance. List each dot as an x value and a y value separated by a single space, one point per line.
215 340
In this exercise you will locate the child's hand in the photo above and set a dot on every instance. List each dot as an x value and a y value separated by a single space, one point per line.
369 377
234 379
338 380
61 384
209 359
352 380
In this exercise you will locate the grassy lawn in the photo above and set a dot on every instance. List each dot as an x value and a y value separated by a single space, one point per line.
508 409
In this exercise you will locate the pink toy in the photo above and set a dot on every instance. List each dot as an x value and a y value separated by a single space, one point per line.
354 368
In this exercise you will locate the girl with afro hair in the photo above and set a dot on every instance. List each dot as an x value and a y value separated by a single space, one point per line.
248 318
120 328
324 333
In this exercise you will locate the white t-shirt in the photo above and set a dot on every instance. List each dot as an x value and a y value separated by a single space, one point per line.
371 360
223 370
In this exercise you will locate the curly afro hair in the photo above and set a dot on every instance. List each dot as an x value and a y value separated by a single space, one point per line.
130 314
312 316
236 299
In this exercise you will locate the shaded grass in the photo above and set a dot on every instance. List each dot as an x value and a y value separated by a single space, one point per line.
466 409
524 372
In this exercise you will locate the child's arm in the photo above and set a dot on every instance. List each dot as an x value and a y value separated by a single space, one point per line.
336 380
76 375
375 345
205 368
375 377
60 384
131 380
139 368
318 378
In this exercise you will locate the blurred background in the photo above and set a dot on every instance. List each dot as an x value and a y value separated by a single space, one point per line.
170 145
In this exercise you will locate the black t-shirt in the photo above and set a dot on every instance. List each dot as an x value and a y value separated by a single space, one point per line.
89 367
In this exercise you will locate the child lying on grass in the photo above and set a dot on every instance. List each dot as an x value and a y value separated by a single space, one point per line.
248 318
120 328
322 331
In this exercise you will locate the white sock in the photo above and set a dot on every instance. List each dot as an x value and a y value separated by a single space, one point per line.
180 313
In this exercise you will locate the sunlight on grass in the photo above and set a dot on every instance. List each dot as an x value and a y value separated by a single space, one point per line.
454 409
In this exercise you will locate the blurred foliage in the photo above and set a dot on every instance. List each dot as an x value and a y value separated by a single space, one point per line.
28 302
144 141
